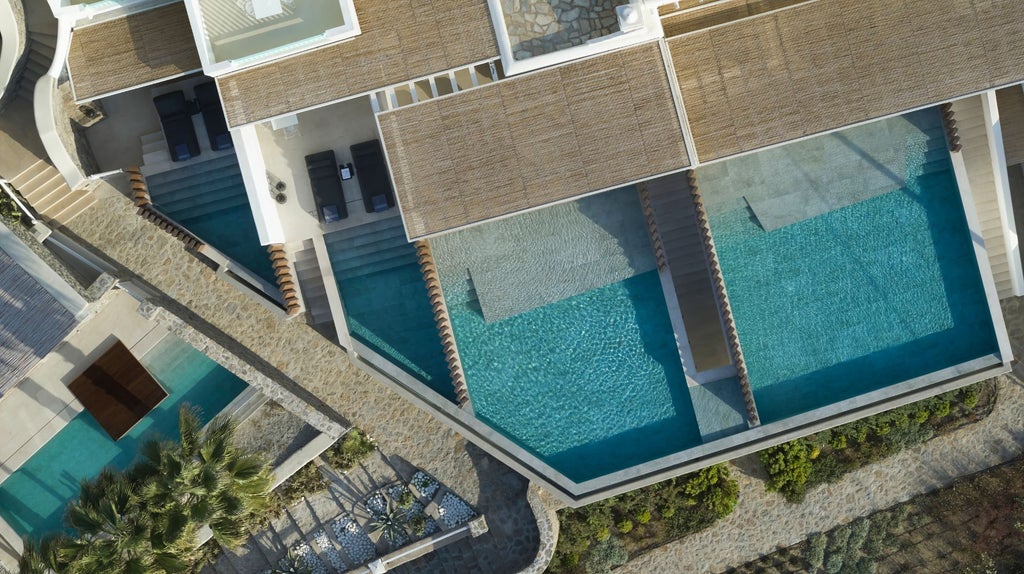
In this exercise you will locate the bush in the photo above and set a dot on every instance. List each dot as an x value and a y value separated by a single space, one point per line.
307 480
788 466
418 523
8 209
352 449
625 526
644 517
859 529
834 563
605 556
969 396
816 552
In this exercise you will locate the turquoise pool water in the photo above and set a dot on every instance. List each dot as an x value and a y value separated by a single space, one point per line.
33 498
859 298
385 300
591 384
209 199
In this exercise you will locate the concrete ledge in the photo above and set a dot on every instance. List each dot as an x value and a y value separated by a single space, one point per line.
44 105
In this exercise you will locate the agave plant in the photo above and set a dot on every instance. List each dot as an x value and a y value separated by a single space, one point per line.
391 524
292 563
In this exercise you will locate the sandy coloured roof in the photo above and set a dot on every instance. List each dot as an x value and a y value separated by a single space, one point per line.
533 139
400 40
137 49
832 63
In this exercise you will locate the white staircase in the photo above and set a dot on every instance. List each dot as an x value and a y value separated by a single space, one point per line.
46 191
311 284
970 121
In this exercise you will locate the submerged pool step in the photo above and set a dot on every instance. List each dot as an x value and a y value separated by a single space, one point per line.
212 191
374 263
189 170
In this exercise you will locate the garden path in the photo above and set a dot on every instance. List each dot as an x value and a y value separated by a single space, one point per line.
764 521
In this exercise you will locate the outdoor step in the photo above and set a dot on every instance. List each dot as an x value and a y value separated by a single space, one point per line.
376 267
343 263
156 146
48 40
31 172
205 211
42 186
337 243
356 251
205 189
152 137
56 200
71 205
191 169
42 57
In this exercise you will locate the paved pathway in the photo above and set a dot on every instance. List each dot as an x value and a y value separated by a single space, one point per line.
764 521
296 356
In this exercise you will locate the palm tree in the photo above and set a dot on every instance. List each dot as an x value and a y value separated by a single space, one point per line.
41 557
113 532
203 479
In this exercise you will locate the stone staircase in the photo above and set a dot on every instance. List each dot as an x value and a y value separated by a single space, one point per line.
311 283
370 248
40 55
970 122
49 195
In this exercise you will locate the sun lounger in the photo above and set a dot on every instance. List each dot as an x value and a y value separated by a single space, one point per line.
176 120
374 178
213 116
326 183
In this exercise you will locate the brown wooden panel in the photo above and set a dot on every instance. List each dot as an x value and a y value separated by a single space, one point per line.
117 390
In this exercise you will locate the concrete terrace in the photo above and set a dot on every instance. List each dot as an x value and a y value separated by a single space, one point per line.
533 140
400 40
828 64
141 48
299 358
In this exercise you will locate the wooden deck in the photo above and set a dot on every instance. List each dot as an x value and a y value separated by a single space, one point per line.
828 64
400 40
533 140
138 49
676 220
117 390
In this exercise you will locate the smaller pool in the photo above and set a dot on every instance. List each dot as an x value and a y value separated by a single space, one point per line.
33 498
208 198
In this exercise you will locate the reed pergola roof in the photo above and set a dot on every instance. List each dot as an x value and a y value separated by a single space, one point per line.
400 40
533 139
134 50
832 63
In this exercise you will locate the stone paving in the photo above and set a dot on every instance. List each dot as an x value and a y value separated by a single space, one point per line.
764 521
310 367
538 27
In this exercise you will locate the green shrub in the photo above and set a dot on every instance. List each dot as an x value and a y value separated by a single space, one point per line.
603 534
942 406
816 551
625 526
838 442
859 530
834 563
352 449
605 556
838 538
8 209
306 481
644 516
969 396
863 566
667 511
788 466
418 523
570 560
406 499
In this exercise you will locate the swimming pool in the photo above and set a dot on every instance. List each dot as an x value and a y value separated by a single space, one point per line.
861 297
33 498
591 383
208 198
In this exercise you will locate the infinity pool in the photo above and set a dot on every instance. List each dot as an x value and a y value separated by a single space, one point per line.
33 498
590 383
862 297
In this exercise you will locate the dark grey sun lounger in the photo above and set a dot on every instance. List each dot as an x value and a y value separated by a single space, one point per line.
374 179
326 184
176 120
213 115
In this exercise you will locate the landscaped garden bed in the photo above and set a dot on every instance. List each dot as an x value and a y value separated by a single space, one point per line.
797 466
598 536
975 526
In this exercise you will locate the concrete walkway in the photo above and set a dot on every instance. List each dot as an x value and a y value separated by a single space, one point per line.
299 358
764 521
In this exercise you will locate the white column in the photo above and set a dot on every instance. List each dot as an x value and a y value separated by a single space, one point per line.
1002 182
